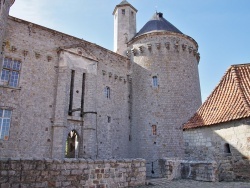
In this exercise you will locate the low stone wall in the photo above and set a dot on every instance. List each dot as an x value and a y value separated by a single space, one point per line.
72 173
183 169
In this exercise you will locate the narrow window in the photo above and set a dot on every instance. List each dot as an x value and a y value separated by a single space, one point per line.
132 13
123 11
155 81
83 94
227 148
154 129
5 116
107 92
10 72
71 92
109 119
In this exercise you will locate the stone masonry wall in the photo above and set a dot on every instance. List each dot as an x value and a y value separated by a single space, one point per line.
211 143
71 173
174 168
173 59
39 122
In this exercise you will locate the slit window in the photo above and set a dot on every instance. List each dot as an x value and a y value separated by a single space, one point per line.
109 119
227 148
107 92
5 116
155 81
154 130
123 11
10 72
71 94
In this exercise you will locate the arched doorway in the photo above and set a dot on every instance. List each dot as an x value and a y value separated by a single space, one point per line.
72 145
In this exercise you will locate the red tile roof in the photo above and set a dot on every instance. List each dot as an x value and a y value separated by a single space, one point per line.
229 101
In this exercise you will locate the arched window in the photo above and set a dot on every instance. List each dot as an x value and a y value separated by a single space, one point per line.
71 150
227 148
155 81
107 92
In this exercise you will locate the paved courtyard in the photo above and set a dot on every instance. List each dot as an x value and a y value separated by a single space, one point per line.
195 184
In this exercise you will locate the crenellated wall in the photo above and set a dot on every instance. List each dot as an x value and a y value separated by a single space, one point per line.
173 59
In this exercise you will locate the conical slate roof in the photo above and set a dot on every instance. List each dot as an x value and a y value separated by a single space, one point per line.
229 101
158 23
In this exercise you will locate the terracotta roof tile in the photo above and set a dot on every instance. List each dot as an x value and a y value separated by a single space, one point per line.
229 101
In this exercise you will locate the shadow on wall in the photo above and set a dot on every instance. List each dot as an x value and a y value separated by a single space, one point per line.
227 144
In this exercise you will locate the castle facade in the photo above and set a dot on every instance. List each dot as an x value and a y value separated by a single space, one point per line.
64 97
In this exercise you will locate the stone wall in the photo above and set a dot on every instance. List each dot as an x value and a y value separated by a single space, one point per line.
71 173
173 59
227 143
183 169
40 122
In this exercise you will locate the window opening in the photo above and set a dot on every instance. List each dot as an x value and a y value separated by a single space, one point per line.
154 129
155 81
10 72
83 93
71 94
71 150
5 116
109 119
123 11
107 92
227 148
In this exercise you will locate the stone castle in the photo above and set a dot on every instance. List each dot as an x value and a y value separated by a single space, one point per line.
64 97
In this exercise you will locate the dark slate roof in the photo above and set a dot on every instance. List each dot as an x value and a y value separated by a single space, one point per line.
229 101
124 3
158 23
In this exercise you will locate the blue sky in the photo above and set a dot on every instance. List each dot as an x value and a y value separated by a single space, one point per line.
221 27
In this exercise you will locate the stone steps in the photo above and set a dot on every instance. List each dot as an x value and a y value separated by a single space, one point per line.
157 181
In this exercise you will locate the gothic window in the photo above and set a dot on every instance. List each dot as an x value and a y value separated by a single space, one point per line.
10 72
107 92
155 81
72 142
5 116
123 11
154 130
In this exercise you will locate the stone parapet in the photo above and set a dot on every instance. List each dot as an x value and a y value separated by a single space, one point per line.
174 168
16 172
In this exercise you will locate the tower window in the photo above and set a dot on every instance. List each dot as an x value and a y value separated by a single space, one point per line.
154 130
123 11
10 72
107 92
155 81
5 116
109 119
132 13
227 148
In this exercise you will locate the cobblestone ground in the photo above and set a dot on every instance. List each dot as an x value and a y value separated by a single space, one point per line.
197 184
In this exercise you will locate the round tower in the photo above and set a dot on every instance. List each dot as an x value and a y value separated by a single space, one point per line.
4 13
165 90
124 26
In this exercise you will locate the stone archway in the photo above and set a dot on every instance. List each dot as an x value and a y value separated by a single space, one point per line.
72 145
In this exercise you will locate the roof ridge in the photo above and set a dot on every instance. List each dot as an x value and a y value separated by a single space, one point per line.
238 85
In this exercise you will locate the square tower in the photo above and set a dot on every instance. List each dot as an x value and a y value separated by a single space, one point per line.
124 26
